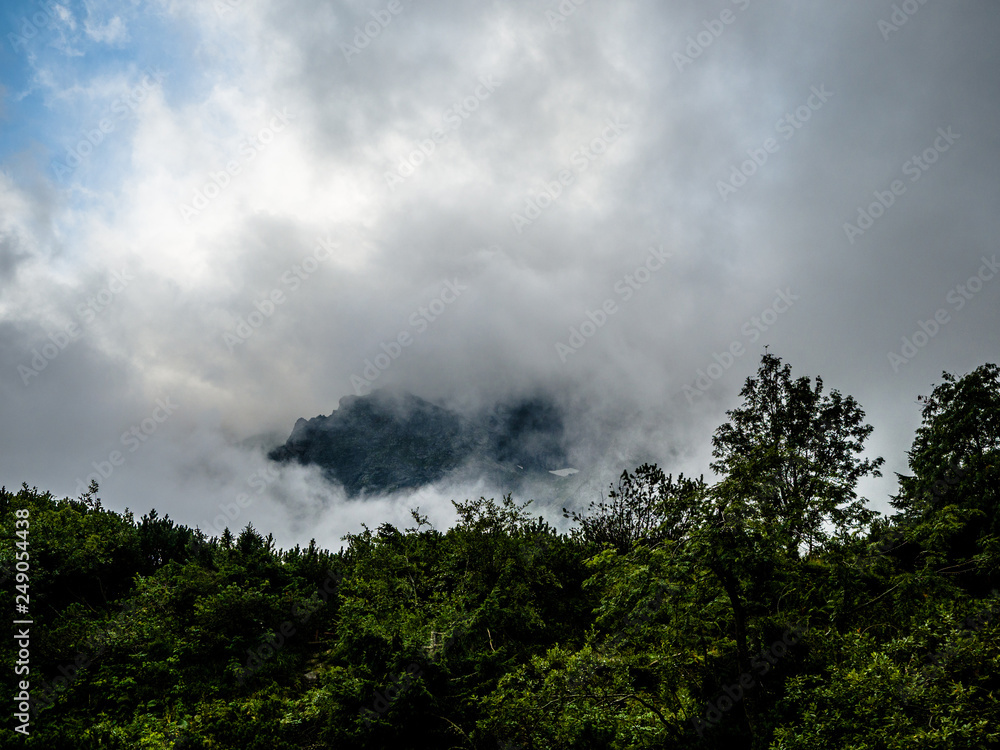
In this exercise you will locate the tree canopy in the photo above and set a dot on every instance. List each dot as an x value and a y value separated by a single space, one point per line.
768 608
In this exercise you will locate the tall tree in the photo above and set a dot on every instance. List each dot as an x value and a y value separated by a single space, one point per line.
791 457
789 461
951 502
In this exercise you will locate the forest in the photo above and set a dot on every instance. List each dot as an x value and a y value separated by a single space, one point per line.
769 608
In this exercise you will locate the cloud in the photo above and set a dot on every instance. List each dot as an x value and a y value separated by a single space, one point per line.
112 32
262 192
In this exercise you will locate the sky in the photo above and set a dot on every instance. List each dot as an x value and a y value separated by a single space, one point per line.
217 217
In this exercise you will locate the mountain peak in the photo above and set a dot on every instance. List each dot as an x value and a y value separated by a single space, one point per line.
392 439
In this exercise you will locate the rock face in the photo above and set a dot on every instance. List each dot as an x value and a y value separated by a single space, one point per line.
390 441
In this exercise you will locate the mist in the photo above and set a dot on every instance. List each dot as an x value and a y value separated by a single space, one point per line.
218 218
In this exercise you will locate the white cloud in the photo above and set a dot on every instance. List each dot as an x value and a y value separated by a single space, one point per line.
112 32
322 174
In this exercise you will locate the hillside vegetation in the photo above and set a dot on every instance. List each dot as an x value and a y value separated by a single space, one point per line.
771 609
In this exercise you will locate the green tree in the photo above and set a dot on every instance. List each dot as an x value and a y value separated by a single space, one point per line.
790 458
951 502
647 505
790 461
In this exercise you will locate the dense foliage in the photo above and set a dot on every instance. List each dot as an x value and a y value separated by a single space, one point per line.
771 609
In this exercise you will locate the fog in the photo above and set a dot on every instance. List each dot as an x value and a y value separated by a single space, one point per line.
218 218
